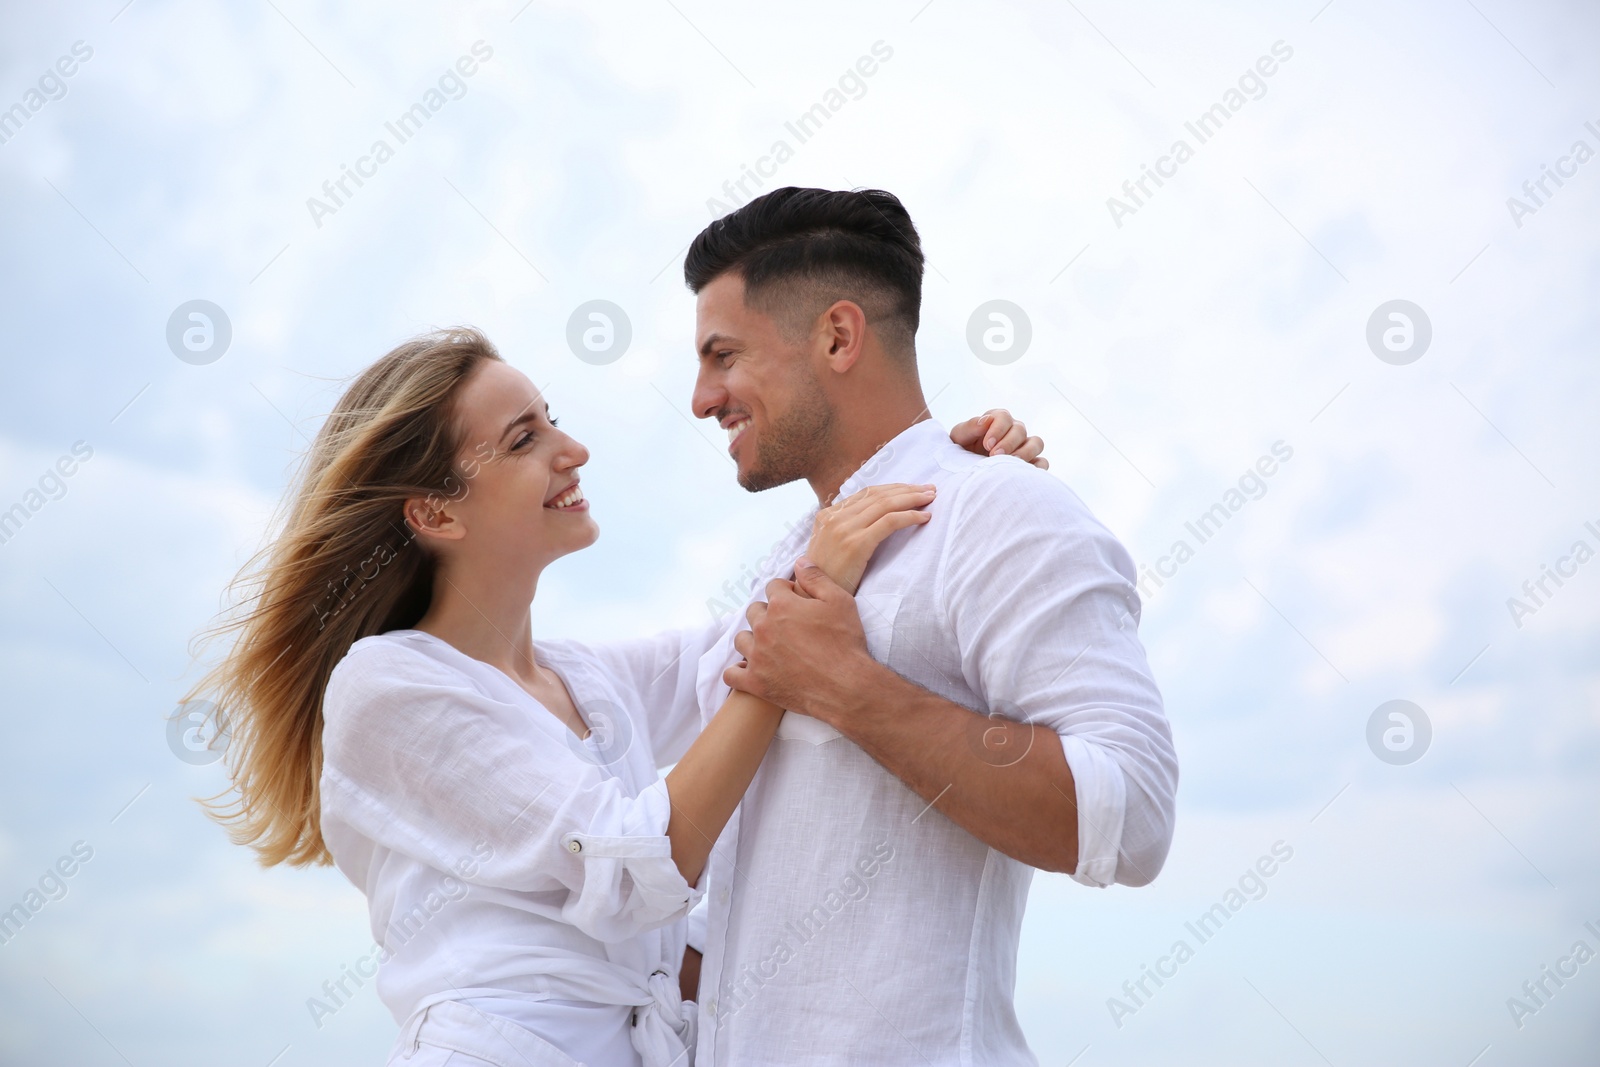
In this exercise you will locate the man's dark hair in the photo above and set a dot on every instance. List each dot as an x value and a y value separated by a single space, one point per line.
799 250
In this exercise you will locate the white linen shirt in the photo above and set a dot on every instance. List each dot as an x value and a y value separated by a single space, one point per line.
848 920
506 862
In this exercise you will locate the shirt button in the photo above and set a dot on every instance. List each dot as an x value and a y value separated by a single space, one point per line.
711 1006
722 896
574 846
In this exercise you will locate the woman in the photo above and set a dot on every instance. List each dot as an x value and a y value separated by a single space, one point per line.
527 872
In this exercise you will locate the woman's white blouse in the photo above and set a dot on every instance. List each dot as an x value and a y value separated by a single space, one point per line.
500 854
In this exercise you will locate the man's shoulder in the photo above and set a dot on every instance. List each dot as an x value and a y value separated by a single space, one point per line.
1004 489
1010 518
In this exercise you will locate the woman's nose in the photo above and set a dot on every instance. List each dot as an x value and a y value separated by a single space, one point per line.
572 454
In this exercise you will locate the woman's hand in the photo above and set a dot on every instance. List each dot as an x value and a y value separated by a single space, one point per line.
996 433
846 533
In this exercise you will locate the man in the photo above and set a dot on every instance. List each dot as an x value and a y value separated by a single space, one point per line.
981 708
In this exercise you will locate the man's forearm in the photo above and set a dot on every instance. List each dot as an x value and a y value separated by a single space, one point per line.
1006 783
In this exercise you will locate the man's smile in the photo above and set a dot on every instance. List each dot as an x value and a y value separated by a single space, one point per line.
736 430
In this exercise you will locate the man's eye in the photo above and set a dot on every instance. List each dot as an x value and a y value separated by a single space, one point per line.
554 421
524 439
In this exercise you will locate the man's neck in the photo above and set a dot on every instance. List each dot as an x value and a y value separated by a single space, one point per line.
855 446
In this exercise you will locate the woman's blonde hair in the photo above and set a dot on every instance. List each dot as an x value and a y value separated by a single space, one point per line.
344 566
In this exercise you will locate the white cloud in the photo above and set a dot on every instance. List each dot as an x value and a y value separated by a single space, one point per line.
1201 331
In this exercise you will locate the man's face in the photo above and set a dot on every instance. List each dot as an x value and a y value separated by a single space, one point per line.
760 387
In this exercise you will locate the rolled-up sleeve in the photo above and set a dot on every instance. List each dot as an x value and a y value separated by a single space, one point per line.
1046 614
421 762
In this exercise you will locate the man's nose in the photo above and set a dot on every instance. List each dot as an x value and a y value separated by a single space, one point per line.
709 396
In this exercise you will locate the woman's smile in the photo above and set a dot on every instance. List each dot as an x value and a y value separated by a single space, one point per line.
569 499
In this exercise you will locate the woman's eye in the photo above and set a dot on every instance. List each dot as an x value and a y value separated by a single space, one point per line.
554 421
524 439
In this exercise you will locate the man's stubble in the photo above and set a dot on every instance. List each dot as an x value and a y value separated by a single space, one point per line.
797 441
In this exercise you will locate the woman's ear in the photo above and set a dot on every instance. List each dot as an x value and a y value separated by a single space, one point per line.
432 519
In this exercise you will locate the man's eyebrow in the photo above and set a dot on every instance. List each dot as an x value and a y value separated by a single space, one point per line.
713 341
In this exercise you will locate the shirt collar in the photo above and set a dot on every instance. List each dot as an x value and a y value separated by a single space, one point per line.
912 456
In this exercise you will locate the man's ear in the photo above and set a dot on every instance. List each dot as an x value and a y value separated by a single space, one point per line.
432 519
842 335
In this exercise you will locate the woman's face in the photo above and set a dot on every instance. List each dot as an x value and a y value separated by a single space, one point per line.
518 494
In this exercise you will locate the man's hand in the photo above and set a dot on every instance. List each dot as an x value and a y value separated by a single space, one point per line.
1005 783
805 648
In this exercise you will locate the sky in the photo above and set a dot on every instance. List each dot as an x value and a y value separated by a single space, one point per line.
1351 319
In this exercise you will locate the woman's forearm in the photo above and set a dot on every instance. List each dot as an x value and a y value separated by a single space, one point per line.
710 779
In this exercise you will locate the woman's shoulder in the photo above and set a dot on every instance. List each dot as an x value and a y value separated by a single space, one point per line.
396 659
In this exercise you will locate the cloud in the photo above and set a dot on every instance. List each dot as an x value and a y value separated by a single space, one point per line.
1166 357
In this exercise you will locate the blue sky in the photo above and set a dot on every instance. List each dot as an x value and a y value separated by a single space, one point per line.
1171 348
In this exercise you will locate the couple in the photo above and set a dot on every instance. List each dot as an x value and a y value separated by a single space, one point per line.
972 705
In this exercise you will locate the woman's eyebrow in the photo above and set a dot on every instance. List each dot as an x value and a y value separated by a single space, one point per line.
525 416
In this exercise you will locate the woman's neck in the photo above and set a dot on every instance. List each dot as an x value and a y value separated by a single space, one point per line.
487 618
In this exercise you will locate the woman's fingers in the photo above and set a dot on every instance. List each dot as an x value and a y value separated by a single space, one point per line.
997 433
860 496
968 433
1000 424
847 533
1012 440
869 505
1029 449
895 520
871 498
